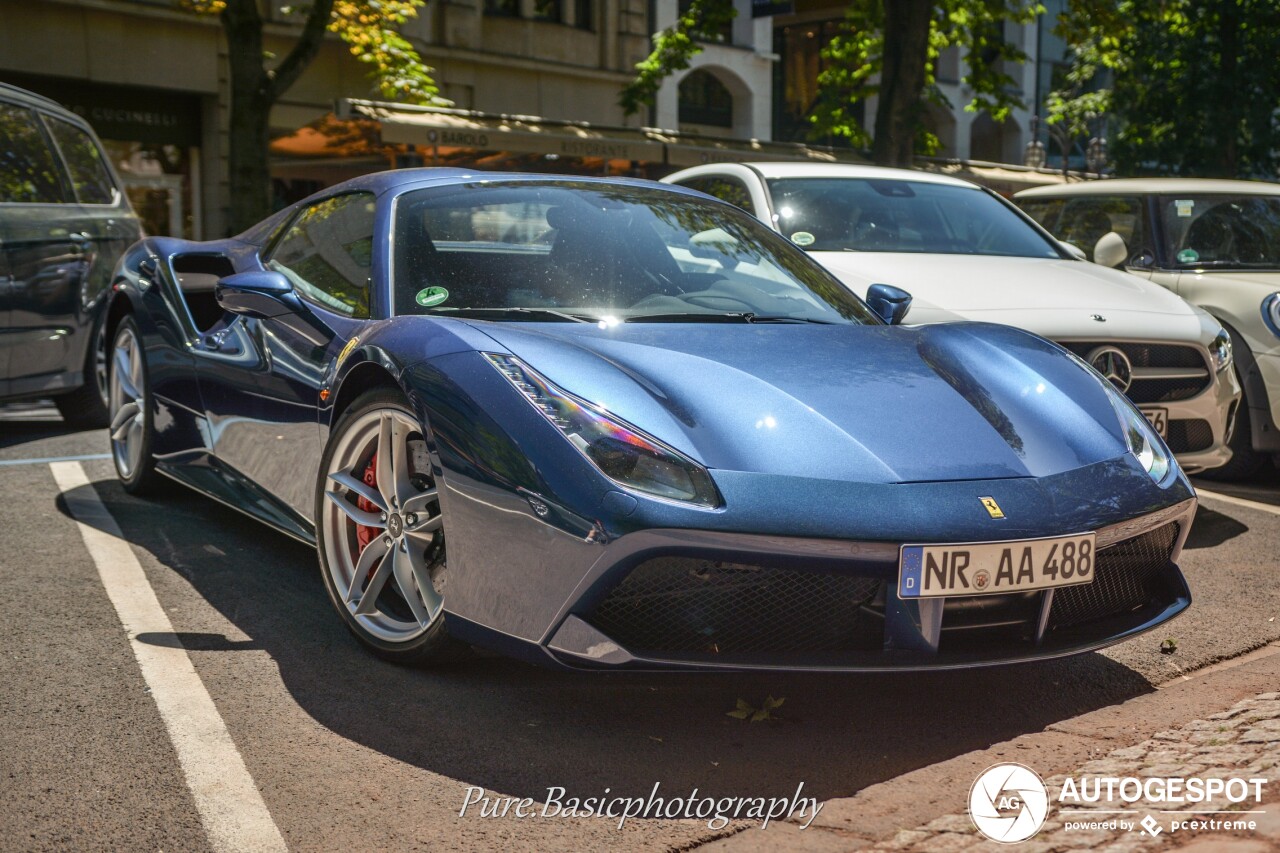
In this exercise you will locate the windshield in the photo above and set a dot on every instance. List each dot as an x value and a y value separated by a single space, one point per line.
1221 230
865 215
566 251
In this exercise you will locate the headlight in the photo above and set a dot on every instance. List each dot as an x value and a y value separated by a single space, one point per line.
1143 442
621 452
1271 313
1220 349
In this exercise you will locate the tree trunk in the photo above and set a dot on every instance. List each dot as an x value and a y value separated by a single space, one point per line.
251 99
906 53
254 90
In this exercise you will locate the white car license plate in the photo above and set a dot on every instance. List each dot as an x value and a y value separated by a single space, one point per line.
987 568
1159 419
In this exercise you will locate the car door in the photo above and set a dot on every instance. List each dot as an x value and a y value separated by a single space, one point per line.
261 378
102 224
44 254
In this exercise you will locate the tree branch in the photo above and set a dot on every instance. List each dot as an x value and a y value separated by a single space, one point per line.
288 71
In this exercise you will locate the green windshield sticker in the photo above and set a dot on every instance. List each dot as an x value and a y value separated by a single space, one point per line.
430 296
1188 256
802 238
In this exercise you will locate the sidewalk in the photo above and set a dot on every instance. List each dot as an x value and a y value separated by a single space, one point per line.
1223 722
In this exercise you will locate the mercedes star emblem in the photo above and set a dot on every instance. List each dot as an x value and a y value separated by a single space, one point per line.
1114 366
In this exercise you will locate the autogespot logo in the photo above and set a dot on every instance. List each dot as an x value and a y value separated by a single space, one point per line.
1009 803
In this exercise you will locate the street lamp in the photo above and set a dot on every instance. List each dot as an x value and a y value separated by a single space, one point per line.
1096 154
1035 155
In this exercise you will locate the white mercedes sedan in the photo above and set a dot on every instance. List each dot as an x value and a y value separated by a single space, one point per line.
964 253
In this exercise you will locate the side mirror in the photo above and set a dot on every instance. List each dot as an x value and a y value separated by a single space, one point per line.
258 294
890 303
1110 250
1073 250
264 294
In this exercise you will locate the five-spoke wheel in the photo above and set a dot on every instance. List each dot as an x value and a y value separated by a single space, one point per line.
130 410
381 532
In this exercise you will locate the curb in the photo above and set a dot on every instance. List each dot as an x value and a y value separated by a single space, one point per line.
878 812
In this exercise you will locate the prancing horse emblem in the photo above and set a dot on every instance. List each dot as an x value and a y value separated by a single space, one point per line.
993 509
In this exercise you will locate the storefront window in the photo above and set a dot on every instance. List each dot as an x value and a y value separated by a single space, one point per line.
157 178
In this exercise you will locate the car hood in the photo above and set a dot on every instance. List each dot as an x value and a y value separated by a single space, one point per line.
875 404
1054 298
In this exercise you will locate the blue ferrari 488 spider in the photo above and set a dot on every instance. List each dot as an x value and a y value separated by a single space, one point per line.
614 424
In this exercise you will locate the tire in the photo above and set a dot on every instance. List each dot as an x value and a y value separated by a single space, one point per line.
379 524
87 407
131 428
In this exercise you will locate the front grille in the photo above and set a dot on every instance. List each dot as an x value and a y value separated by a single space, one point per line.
1141 355
1145 355
1188 436
1128 577
689 606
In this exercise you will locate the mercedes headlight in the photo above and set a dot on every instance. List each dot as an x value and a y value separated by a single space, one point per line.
1143 442
1220 349
1271 313
621 452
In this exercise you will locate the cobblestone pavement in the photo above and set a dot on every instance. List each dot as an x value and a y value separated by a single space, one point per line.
1243 741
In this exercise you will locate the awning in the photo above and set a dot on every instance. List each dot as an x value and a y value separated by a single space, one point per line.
436 126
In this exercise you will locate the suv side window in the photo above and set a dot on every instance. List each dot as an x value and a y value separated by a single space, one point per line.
327 253
1084 220
29 172
725 188
84 161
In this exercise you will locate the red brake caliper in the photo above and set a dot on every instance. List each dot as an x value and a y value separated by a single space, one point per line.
365 534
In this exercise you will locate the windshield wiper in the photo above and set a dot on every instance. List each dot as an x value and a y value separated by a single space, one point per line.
731 317
486 313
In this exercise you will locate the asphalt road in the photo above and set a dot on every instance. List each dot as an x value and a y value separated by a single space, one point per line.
350 752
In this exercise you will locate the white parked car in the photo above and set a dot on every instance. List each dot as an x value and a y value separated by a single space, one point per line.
965 253
1215 244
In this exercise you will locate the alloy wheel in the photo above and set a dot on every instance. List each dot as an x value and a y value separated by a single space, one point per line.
127 402
382 527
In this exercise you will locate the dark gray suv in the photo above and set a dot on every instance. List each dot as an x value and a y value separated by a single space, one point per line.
64 220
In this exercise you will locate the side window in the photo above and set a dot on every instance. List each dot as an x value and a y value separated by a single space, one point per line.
28 170
1084 220
327 253
724 188
89 173
1045 211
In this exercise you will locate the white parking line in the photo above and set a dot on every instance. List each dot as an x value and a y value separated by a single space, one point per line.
1231 499
230 805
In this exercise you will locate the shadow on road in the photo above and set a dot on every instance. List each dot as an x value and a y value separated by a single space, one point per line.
1213 528
21 423
517 730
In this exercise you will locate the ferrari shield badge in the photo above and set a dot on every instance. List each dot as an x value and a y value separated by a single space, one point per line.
992 508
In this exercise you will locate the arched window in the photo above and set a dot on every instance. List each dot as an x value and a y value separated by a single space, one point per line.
705 100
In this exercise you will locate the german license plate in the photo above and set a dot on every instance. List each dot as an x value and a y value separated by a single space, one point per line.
1159 419
987 568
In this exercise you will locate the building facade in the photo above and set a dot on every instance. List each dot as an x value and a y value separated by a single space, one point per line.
152 79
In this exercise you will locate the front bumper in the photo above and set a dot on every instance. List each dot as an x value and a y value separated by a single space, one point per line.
686 599
832 606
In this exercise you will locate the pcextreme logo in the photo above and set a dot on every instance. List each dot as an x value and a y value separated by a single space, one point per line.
1009 803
